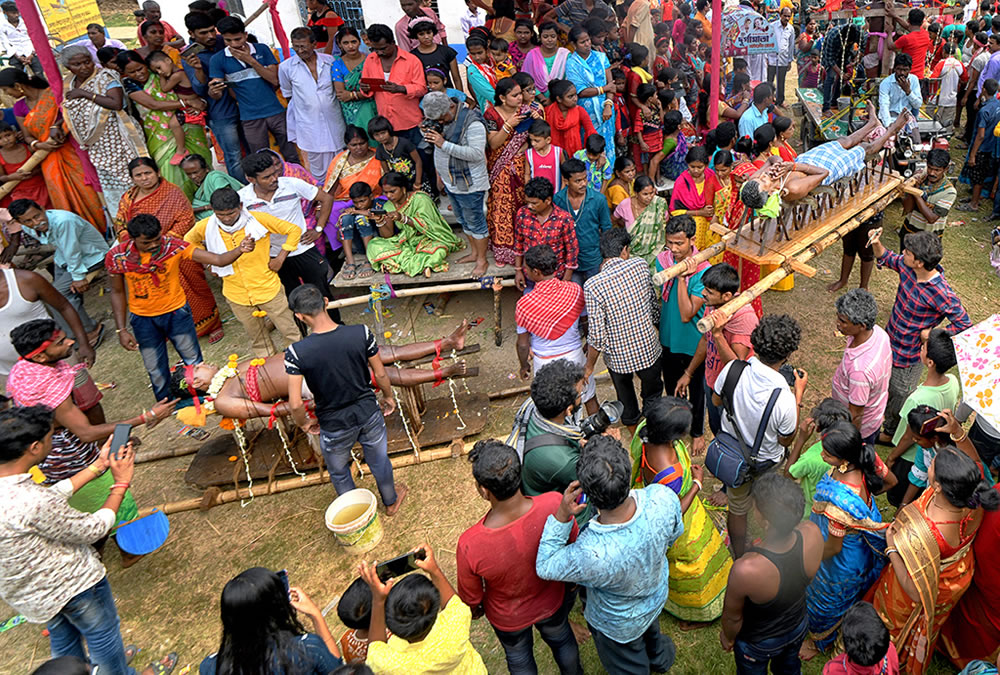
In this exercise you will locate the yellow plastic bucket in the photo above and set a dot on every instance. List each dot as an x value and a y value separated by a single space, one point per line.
353 519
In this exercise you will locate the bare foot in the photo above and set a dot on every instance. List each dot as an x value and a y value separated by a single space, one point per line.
393 508
580 632
698 446
456 369
427 272
692 625
480 268
718 498
456 340
128 559
808 650
471 258
835 286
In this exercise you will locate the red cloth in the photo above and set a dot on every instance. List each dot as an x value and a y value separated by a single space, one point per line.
558 231
496 568
550 309
841 665
31 383
566 128
915 43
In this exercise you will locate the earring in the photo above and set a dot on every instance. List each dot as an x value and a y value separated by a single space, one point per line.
843 467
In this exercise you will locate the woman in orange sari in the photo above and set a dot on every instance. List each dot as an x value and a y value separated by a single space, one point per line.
729 211
40 119
159 197
929 547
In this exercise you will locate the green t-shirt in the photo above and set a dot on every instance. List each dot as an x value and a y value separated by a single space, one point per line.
808 470
676 335
942 397
550 468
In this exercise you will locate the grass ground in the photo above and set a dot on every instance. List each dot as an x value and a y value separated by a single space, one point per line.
169 601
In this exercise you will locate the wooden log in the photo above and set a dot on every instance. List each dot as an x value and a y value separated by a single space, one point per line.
421 290
524 389
214 498
678 269
163 453
32 162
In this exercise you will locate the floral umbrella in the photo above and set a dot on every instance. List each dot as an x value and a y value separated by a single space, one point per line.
978 351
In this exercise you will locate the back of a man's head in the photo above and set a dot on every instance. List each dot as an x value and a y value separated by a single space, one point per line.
614 241
64 665
941 350
779 499
19 428
866 638
306 300
496 468
915 18
541 257
762 92
554 388
412 607
605 472
775 338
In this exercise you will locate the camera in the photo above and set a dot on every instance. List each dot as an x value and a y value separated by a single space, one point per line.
788 372
609 413
432 125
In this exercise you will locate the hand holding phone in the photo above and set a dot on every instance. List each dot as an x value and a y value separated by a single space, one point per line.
119 439
400 565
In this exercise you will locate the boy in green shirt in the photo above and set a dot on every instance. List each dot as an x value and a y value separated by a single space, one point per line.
809 467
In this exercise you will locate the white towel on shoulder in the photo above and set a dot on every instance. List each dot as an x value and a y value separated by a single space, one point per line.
213 238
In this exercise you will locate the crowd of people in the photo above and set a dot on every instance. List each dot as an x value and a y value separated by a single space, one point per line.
579 145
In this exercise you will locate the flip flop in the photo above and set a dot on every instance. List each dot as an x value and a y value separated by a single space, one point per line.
164 666
365 270
100 337
349 272
130 652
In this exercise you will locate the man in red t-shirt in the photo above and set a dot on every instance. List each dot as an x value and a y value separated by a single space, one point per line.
916 42
496 564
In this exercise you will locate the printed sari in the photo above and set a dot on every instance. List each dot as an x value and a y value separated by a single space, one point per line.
348 174
423 242
731 212
173 210
592 72
110 137
62 169
699 560
844 578
648 231
359 113
941 580
160 141
688 197
507 166
542 73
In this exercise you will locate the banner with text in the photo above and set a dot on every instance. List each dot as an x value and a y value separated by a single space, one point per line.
746 32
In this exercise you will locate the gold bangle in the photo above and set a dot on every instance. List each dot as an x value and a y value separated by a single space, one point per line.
965 434
94 470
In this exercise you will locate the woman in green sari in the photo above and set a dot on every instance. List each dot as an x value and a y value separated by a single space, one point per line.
423 240
157 108
358 109
699 560
644 216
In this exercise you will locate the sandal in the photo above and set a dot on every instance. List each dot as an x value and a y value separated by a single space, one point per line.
966 207
349 272
164 666
365 270
130 652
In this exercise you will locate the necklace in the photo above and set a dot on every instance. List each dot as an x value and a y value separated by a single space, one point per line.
218 380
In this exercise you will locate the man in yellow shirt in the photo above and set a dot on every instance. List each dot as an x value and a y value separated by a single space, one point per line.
429 623
251 284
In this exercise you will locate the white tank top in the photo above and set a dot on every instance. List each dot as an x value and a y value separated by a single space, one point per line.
13 314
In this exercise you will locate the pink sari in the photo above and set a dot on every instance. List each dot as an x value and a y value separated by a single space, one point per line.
534 65
687 197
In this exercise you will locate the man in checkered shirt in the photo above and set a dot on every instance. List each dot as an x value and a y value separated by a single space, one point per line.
624 310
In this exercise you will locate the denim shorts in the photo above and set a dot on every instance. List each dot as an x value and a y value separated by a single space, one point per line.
352 223
469 210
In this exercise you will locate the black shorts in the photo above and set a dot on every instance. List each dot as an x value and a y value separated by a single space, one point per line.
856 241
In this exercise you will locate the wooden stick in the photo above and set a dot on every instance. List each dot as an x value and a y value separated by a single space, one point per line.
260 10
163 453
315 478
423 290
28 166
524 389
678 269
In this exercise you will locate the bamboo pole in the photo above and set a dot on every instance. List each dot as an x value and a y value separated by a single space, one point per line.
678 269
721 315
524 389
208 500
163 453
422 290
33 161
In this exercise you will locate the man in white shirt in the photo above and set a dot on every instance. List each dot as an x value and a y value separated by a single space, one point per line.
898 92
949 70
774 339
315 124
474 17
49 570
98 38
281 197
779 63
15 41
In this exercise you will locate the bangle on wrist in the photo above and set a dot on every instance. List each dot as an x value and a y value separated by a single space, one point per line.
891 549
93 468
965 434
120 486
698 483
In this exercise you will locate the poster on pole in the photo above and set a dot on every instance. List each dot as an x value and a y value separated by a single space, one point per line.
67 19
745 32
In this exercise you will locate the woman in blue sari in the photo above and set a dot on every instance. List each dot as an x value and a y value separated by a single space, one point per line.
590 72
845 511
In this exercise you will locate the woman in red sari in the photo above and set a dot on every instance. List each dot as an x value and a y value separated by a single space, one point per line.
161 198
929 547
40 119
784 128
729 211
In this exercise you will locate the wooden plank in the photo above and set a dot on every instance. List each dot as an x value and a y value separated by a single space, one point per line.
455 272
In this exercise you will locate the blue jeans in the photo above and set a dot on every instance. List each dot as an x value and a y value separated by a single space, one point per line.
518 646
91 616
152 333
336 446
651 651
470 213
714 411
830 91
227 133
781 652
351 223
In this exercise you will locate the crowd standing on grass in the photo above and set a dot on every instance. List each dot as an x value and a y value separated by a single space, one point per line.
572 145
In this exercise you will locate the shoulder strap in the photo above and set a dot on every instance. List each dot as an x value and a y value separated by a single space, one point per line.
544 439
729 386
762 427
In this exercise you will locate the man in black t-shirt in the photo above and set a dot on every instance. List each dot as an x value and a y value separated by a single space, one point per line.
334 360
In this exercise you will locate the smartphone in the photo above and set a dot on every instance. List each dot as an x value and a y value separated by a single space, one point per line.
192 49
930 427
377 210
120 438
283 575
400 565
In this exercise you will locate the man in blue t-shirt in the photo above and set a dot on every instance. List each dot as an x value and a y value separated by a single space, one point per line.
223 115
251 73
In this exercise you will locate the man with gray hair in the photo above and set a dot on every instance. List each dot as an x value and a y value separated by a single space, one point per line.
861 381
152 12
459 135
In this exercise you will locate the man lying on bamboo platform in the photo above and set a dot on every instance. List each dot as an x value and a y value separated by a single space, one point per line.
814 169
254 389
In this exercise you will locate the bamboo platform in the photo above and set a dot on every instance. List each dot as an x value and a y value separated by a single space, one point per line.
456 272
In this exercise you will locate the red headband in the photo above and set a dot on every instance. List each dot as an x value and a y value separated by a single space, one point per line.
189 381
42 347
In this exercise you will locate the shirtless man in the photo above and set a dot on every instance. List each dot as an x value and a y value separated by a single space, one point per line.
270 381
823 165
